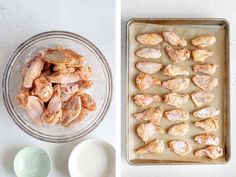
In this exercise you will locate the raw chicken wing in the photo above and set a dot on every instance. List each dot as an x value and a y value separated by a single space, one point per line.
173 39
144 100
179 147
145 81
22 97
177 56
205 68
207 139
148 53
206 112
180 129
208 125
175 99
88 102
204 41
34 107
174 70
201 98
148 67
83 114
200 55
177 84
212 152
64 78
176 115
156 146
149 38
205 82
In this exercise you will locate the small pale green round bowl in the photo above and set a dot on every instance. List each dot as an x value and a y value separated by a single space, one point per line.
32 162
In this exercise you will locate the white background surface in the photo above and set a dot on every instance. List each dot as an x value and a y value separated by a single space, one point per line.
182 9
19 20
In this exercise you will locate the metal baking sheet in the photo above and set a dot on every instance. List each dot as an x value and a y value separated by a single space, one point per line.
188 29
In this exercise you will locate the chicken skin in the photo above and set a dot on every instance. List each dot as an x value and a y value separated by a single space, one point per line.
145 100
180 129
146 130
175 115
148 67
83 114
33 72
153 115
88 102
149 38
85 72
203 41
212 152
145 81
205 82
173 39
206 112
179 147
148 53
156 146
22 97
208 125
200 55
177 84
34 107
205 68
64 78
177 56
201 98
174 70
175 99
207 139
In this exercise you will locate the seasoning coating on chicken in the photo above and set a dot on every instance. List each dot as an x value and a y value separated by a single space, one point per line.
177 84
71 109
88 102
60 55
175 115
205 82
148 67
208 125
179 147
177 56
174 70
147 130
34 107
145 81
83 114
64 78
206 112
203 41
173 39
33 72
148 53
201 98
180 129
68 90
207 139
43 89
156 146
152 114
85 72
149 38
53 112
145 99
205 68
22 97
200 55
175 99
212 152
63 69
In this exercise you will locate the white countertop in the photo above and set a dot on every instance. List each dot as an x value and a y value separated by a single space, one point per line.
182 9
19 20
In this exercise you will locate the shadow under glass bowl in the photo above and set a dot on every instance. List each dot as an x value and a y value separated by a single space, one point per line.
101 90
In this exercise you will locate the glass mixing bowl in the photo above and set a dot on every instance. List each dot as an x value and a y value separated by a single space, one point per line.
101 90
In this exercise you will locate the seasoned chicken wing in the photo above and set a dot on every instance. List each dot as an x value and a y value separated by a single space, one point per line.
34 107
64 78
145 81
149 38
22 97
205 82
85 72
53 112
148 53
212 152
71 109
144 100
156 146
204 41
201 98
175 99
181 148
207 139
148 67
177 84
177 56
68 90
60 55
208 125
175 115
43 89
152 114
83 114
206 112
180 129
173 39
174 70
200 55
88 102
147 130
205 68
33 72
63 69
